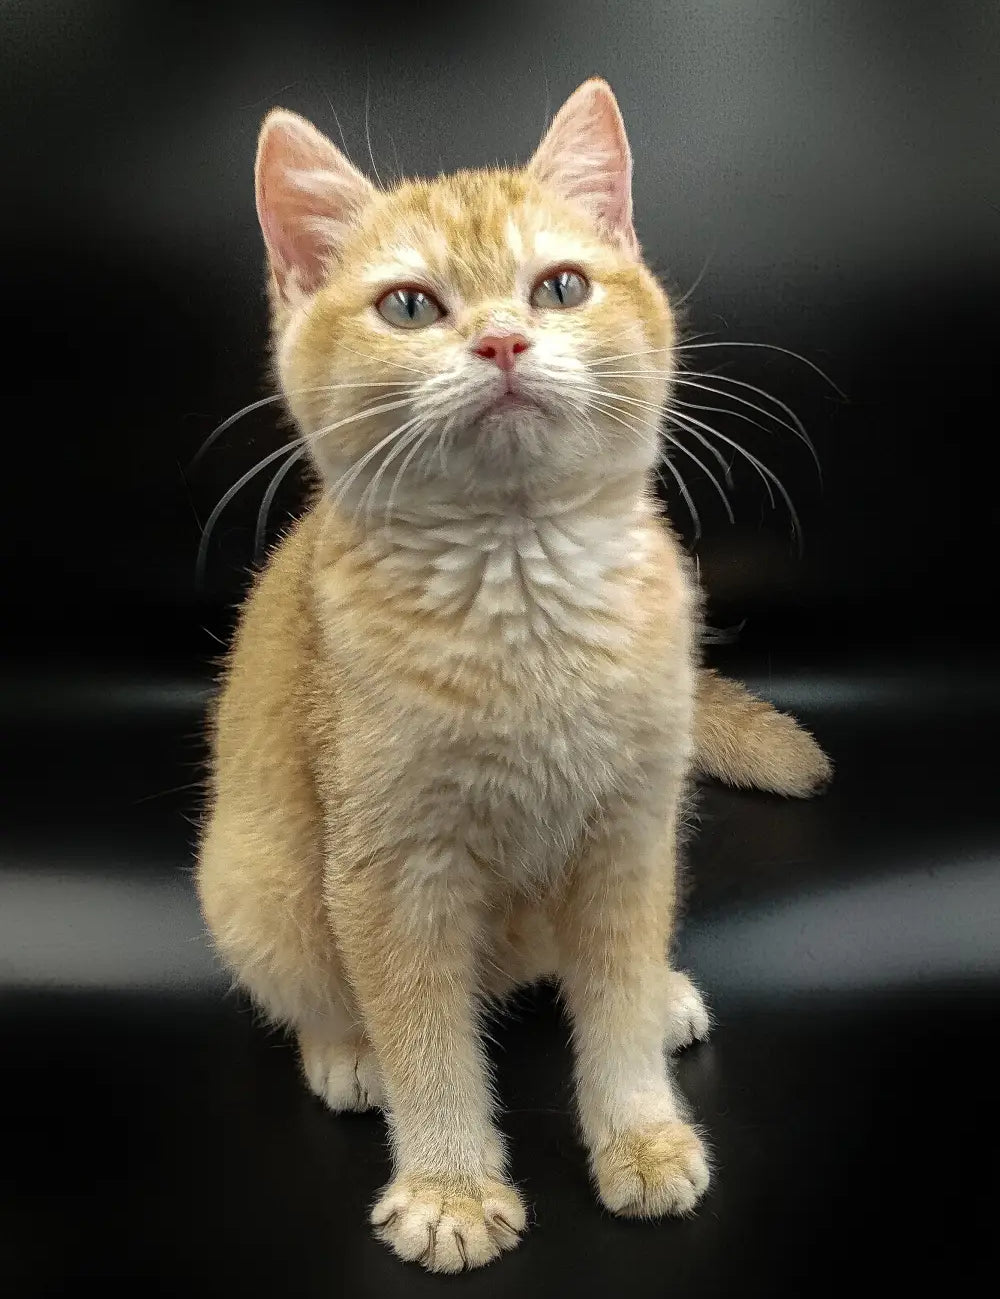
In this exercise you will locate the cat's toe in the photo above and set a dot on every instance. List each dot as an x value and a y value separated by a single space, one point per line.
650 1172
688 1018
446 1225
343 1074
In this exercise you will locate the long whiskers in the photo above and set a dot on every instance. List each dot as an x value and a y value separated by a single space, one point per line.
697 280
609 413
251 473
267 500
793 424
275 484
213 518
397 365
706 471
608 402
687 346
653 408
408 434
421 438
643 351
637 415
675 442
345 481
217 432
796 427
767 475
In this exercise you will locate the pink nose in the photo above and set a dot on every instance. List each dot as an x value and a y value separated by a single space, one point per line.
501 349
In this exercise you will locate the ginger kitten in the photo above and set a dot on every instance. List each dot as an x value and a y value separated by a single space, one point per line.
460 713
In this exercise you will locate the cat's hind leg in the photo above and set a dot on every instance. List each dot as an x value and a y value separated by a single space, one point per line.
260 883
688 1019
340 1066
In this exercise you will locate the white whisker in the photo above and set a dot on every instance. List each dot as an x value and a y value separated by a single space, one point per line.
633 427
678 477
281 396
350 474
260 533
422 435
772 347
240 483
796 427
714 450
654 407
688 498
251 473
628 356
690 345
396 365
793 424
767 475
368 132
697 280
405 437
706 471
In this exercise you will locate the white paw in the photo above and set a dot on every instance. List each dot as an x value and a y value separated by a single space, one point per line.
445 1224
344 1074
652 1171
688 1019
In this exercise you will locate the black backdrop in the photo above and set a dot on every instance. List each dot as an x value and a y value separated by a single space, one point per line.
836 167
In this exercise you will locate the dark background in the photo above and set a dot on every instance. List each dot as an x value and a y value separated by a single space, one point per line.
836 166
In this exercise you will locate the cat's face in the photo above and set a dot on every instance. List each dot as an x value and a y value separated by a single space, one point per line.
483 335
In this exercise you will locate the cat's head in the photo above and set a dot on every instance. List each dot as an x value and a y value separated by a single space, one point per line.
477 336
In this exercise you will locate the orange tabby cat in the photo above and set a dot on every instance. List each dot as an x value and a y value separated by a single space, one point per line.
460 712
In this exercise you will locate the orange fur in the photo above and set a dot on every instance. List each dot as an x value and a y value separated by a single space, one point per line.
458 717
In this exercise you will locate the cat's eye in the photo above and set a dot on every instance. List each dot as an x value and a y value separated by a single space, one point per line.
560 289
409 308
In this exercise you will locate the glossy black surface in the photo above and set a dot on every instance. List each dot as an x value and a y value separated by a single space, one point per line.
838 163
156 1138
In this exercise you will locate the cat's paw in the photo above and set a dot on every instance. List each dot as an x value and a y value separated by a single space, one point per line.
344 1074
443 1224
688 1019
652 1171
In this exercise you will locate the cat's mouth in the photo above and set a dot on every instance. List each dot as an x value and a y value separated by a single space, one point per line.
510 401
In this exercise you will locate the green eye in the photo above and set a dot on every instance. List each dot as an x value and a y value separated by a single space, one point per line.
409 308
560 289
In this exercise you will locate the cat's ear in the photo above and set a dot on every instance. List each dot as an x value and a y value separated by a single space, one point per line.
586 158
307 195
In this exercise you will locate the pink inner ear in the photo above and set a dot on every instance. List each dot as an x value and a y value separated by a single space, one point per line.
585 156
307 195
284 222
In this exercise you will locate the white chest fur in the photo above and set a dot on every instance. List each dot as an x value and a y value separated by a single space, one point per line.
510 672
566 571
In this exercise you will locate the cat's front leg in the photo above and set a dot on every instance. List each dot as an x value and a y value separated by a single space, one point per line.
615 926
409 927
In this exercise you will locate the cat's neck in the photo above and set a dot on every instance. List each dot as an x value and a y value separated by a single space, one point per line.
520 568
